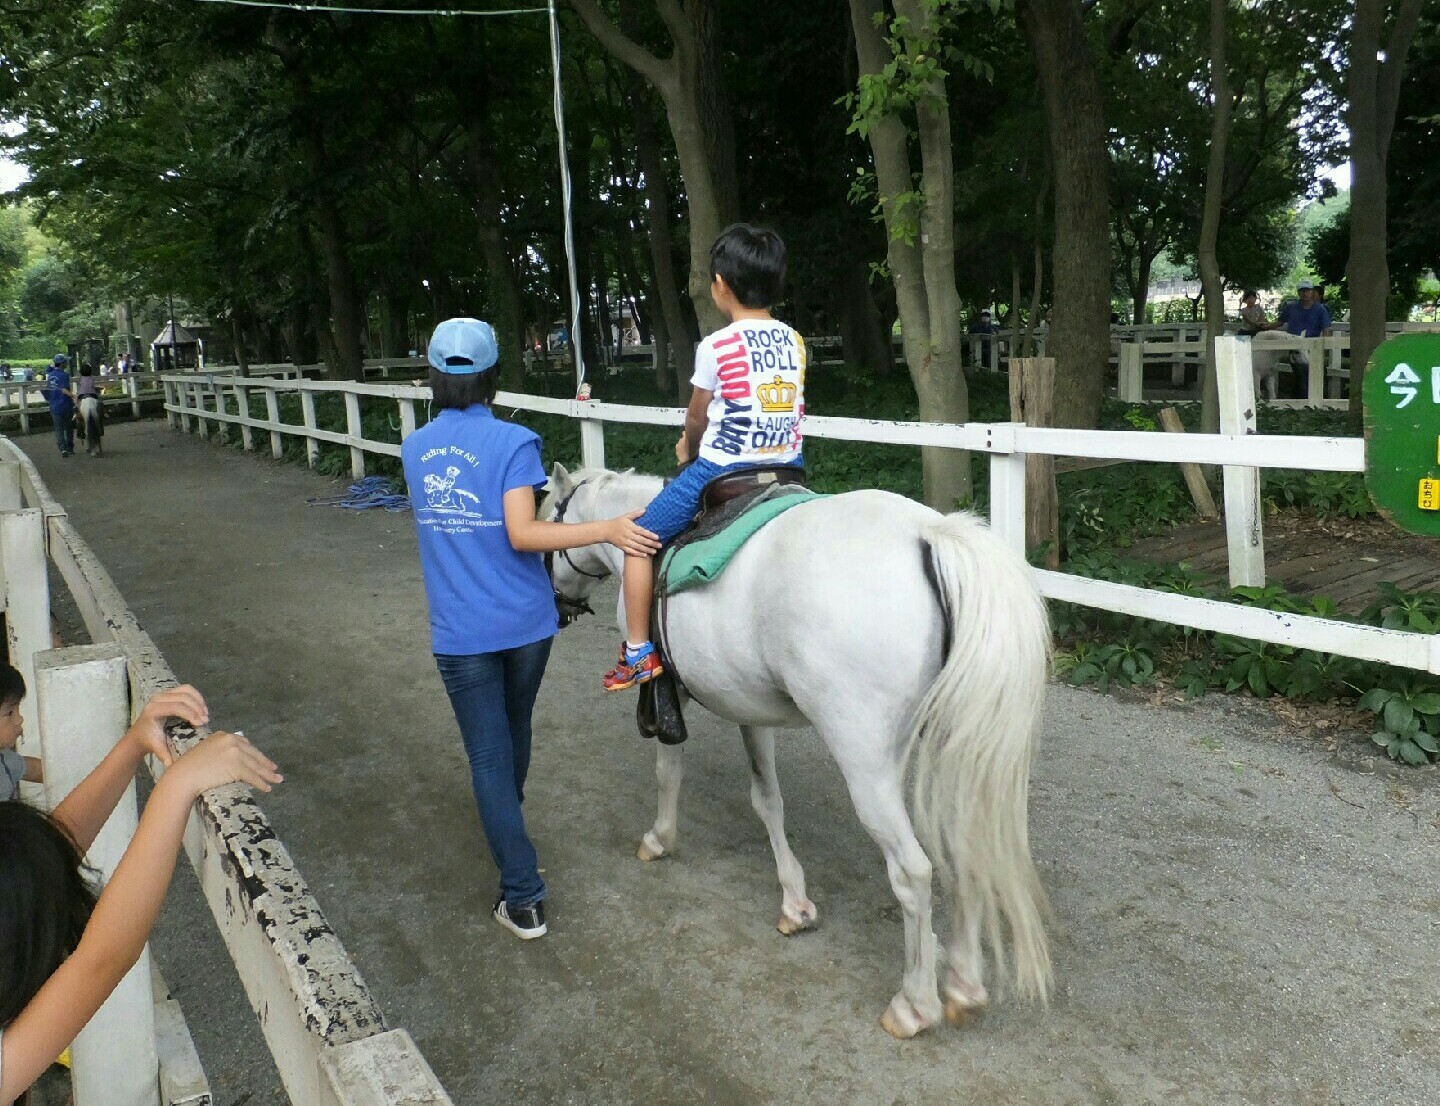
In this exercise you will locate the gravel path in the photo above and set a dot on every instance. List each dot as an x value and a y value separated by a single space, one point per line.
1240 917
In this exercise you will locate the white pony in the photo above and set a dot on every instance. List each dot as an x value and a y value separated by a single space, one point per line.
906 638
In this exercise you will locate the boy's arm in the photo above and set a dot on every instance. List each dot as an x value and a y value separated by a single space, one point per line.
34 770
697 418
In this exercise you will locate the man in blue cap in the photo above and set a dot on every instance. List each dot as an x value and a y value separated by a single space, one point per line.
62 404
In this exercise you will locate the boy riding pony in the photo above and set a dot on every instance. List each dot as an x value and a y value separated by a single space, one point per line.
745 411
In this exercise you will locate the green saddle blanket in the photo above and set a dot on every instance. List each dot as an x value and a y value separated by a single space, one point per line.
699 562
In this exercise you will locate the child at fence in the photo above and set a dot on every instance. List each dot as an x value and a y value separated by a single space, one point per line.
745 410
14 768
472 480
62 950
87 395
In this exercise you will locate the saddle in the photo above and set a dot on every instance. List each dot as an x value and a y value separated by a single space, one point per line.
659 712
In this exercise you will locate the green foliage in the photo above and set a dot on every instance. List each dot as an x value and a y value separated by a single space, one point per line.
1406 706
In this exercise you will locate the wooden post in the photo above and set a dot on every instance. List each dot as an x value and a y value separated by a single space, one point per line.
201 410
132 386
24 409
1007 496
1315 355
84 697
1244 527
407 418
272 414
26 587
1194 474
11 496
222 428
354 428
171 418
242 403
307 408
592 443
1132 372
1032 401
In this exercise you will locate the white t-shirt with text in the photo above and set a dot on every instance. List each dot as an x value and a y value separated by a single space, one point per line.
755 370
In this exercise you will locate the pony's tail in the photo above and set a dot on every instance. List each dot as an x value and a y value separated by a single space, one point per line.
970 746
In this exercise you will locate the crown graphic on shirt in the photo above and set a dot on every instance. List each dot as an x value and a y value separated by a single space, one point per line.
778 395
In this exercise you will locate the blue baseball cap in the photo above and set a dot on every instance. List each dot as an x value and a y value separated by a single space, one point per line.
59 359
462 346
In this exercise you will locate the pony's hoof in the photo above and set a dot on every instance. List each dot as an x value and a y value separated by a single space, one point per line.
650 847
964 1001
797 919
903 1019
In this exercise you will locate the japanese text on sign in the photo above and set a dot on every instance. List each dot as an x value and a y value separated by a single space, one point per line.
1404 384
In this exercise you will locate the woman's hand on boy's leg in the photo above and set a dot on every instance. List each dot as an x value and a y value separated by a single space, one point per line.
633 540
148 731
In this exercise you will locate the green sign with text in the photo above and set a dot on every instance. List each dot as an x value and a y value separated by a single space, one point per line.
1402 431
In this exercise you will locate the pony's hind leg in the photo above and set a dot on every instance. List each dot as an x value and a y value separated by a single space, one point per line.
876 789
669 770
796 911
965 994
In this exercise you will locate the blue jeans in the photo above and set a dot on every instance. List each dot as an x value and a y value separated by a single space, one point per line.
492 695
64 430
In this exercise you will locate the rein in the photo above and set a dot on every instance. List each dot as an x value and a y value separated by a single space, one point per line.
570 609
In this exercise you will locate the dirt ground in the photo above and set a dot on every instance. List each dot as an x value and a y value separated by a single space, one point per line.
1241 917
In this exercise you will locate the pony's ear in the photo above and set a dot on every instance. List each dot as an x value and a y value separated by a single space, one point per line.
560 481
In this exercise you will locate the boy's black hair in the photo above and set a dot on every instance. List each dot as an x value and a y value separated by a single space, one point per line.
752 261
45 903
87 369
12 685
463 390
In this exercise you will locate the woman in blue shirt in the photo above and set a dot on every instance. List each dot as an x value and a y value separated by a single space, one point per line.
473 479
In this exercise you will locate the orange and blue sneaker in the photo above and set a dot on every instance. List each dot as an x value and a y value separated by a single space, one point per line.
635 666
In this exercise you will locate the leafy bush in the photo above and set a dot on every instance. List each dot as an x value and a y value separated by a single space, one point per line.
1406 705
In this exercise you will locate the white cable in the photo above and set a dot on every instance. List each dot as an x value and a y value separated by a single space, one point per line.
565 195
300 7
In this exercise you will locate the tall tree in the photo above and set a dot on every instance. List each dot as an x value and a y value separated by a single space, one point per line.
1210 279
1380 37
1079 339
899 73
691 84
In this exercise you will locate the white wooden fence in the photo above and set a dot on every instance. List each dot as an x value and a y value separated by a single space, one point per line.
22 398
324 1028
213 404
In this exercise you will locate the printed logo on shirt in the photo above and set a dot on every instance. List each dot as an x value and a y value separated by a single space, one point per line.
450 507
762 417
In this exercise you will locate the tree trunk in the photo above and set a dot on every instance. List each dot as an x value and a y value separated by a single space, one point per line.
659 239
1374 94
690 85
395 310
502 286
864 342
924 279
1211 285
1141 292
1079 339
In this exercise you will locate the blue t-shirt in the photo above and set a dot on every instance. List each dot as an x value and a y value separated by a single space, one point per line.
1307 322
484 596
57 382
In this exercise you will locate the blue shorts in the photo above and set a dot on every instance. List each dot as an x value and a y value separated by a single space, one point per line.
678 503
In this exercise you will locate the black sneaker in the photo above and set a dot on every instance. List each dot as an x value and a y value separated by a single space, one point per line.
526 922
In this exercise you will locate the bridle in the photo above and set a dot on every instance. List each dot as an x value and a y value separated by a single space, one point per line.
569 609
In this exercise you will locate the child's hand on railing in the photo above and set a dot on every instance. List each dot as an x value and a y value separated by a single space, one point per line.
220 759
148 730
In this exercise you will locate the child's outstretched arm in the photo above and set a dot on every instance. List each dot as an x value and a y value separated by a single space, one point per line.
86 809
125 913
529 534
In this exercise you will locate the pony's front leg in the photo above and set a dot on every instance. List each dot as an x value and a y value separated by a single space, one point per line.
796 911
669 770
